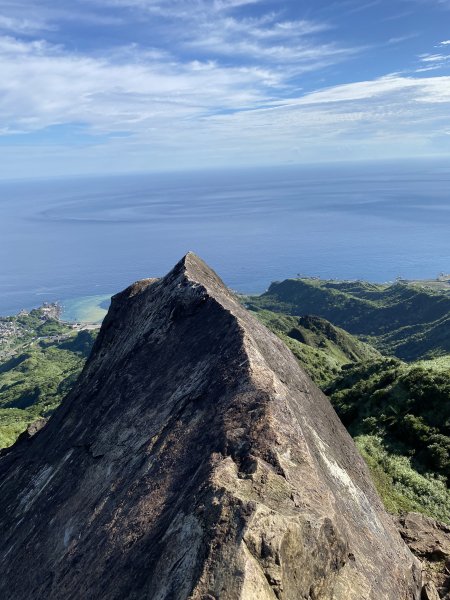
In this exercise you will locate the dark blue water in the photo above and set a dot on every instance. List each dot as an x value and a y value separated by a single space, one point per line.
64 239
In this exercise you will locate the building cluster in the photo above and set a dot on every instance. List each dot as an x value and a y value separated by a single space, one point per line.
8 329
50 311
12 330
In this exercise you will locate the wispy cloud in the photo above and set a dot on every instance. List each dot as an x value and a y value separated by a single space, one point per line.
38 17
430 90
23 25
236 80
219 60
43 85
288 51
402 38
361 6
177 9
432 57
219 30
433 62
445 4
228 114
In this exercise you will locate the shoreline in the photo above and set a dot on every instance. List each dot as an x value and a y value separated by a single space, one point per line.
90 310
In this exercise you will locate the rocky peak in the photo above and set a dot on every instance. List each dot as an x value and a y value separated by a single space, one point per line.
194 459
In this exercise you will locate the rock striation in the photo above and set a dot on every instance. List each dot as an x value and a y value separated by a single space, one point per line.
194 459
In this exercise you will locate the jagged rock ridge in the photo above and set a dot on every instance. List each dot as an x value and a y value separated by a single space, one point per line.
194 459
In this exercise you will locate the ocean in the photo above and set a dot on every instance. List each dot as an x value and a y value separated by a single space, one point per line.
70 240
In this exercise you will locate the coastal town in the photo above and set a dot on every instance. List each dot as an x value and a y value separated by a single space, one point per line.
25 328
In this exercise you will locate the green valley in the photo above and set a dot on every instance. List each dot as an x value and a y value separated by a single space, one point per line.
321 348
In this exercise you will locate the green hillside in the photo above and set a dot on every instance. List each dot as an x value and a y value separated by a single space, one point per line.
42 359
321 348
399 415
19 331
409 321
397 412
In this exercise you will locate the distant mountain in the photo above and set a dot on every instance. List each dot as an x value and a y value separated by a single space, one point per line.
194 459
409 321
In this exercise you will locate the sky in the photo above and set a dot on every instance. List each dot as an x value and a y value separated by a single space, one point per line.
116 86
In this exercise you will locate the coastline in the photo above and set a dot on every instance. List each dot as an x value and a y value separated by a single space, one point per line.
85 310
90 310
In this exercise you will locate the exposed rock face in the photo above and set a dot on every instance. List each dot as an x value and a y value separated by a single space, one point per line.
194 459
429 540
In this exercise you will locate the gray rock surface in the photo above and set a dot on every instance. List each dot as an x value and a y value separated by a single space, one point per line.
194 459
429 540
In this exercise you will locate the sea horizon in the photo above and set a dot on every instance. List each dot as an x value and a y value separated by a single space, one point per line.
67 239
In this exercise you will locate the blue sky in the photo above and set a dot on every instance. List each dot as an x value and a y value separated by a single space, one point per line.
101 86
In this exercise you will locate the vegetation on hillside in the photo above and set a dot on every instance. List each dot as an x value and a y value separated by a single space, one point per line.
321 348
409 321
22 330
397 412
48 357
399 415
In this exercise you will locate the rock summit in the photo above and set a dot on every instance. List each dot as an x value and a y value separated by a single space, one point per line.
194 459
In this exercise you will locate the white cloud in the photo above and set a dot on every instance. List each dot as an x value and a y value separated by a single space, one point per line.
203 29
33 17
42 85
23 25
178 7
433 62
269 40
215 29
219 63
226 89
190 113
362 90
432 57
402 38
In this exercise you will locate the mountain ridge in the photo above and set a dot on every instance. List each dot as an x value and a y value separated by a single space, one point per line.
409 321
195 459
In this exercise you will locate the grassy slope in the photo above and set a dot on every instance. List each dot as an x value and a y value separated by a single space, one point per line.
35 379
321 348
399 415
409 321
